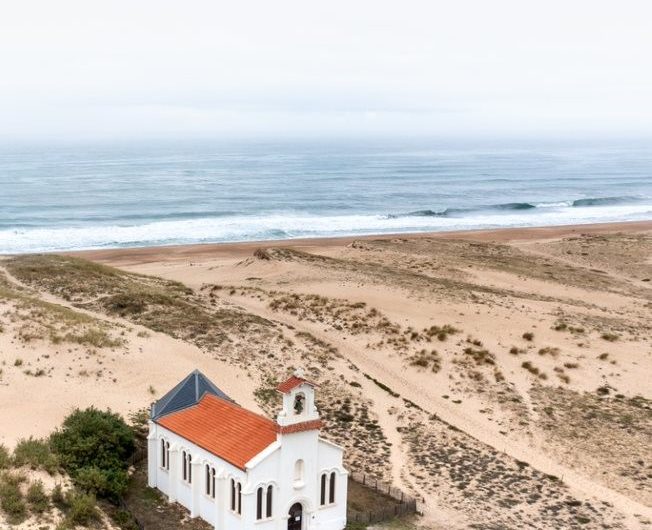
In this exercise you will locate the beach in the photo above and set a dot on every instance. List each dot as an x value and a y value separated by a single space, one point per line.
512 354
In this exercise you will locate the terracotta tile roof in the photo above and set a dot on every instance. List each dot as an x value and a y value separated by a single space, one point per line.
291 383
301 427
223 428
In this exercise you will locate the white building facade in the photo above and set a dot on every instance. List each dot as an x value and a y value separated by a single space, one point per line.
238 470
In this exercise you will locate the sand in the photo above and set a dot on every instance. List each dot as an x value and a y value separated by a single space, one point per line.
444 426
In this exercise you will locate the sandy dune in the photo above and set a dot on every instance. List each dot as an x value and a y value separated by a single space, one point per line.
429 375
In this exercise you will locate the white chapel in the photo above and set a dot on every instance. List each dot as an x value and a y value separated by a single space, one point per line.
239 470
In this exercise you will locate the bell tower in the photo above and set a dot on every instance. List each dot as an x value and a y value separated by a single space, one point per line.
298 402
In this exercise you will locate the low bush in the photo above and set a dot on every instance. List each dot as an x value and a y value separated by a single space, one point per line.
37 498
36 454
58 497
82 509
11 498
548 350
5 457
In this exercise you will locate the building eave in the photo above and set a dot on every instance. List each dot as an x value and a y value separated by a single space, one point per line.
270 449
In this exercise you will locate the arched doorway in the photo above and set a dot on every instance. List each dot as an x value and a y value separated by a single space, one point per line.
295 517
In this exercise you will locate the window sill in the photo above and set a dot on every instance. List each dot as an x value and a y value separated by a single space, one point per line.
298 484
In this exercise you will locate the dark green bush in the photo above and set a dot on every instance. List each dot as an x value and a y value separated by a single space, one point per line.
102 482
93 446
36 454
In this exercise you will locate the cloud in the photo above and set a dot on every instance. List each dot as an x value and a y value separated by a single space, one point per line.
161 67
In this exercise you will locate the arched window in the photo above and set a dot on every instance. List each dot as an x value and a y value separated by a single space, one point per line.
163 462
236 497
268 511
298 471
185 465
189 468
213 482
322 496
167 456
208 479
331 493
259 504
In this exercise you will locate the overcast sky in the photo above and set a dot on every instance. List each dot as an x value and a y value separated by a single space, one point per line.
186 68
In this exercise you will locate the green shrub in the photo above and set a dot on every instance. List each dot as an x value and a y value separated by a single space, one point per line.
36 454
11 498
59 497
102 482
5 457
93 446
82 509
37 498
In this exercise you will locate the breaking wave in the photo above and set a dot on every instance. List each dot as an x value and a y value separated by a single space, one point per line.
518 206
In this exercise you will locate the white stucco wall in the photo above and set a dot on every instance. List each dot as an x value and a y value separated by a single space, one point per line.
274 466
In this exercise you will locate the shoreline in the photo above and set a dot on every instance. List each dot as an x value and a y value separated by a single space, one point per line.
169 253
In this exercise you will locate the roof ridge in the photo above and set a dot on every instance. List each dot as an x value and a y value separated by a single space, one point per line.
174 391
185 393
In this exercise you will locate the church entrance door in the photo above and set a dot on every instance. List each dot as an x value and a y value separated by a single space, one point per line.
296 516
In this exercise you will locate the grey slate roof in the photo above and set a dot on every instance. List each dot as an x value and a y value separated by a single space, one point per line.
186 394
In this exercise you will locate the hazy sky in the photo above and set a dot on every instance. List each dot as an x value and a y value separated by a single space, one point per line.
179 68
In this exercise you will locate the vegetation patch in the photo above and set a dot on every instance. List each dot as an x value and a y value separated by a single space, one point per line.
605 437
11 497
36 454
426 359
93 447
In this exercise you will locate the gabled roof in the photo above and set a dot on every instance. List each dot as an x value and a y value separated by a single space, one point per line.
186 394
223 428
293 382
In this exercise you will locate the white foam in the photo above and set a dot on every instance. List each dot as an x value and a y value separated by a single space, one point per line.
293 225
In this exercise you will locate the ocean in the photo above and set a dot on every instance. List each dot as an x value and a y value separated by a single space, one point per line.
103 195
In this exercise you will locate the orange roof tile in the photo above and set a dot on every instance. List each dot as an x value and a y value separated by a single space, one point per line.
301 427
291 383
223 428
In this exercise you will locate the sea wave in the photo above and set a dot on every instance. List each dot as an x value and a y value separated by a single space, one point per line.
290 225
517 206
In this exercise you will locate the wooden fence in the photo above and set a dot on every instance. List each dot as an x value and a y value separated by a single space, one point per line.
139 455
405 504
